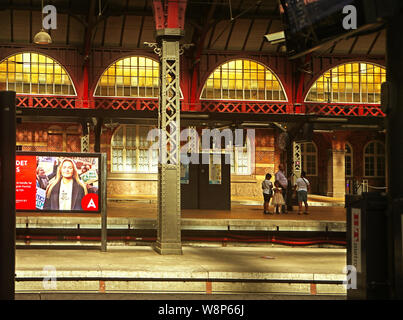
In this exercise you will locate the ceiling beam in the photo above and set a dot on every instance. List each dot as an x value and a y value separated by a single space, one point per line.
373 43
250 27
87 42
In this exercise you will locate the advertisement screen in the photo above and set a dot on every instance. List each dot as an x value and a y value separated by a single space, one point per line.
311 23
57 182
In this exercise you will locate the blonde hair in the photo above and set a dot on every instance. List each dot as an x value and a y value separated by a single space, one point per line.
58 177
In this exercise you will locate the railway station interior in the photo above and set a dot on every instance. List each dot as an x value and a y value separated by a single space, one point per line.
105 73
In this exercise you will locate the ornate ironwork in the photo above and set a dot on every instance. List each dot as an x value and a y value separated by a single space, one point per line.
151 104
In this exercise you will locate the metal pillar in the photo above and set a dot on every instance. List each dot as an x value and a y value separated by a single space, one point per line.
169 203
85 139
394 74
7 194
104 221
296 162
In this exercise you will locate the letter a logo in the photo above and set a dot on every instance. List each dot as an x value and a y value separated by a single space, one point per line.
90 202
350 20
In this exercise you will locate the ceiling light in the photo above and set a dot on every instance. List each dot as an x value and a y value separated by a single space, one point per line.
42 37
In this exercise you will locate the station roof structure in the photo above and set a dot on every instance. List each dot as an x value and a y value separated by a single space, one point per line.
229 27
216 25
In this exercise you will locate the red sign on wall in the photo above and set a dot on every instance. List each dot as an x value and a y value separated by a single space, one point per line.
57 182
25 192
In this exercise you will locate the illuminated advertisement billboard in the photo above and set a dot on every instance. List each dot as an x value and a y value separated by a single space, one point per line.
57 182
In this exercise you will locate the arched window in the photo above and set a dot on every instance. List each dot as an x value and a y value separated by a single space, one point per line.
356 82
130 77
243 80
309 157
348 160
131 152
374 159
34 73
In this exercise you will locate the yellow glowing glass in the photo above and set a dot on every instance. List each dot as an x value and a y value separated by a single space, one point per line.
362 79
244 76
24 72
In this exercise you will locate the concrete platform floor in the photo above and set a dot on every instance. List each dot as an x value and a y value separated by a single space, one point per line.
137 209
200 270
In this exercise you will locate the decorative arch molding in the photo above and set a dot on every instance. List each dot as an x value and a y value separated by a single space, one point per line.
131 77
249 86
34 73
246 76
275 64
352 77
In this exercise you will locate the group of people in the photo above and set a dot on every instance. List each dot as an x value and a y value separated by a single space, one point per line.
278 193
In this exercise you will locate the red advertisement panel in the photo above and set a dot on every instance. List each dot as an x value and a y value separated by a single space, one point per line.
57 182
25 178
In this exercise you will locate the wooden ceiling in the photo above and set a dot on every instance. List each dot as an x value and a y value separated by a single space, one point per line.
212 25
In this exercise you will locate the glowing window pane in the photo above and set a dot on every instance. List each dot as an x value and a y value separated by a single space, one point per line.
356 78
238 77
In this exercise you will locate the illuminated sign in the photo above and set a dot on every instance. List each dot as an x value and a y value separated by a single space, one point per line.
57 182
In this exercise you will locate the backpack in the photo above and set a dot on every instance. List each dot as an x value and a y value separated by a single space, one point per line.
270 187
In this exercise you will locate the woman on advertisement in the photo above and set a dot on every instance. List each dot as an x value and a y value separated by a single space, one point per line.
66 191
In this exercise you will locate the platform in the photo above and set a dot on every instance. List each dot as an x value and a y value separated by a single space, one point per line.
129 214
200 270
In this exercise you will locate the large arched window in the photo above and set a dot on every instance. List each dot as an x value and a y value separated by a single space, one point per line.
309 157
374 159
130 77
356 82
243 80
348 160
34 73
132 152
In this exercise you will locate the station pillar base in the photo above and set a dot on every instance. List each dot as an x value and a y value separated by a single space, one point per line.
168 248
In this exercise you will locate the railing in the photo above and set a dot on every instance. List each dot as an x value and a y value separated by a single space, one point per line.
151 104
349 110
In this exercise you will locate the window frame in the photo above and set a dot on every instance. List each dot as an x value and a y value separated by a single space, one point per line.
328 74
351 155
304 153
136 147
274 79
112 69
21 83
375 157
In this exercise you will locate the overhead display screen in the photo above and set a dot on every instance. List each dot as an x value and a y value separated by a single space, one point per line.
57 182
310 23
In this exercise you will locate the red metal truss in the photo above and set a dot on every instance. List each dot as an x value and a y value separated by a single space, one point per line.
50 102
258 107
350 110
125 104
245 107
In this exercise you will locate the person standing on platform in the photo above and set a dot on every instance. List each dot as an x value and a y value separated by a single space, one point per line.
267 187
282 179
303 187
278 200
